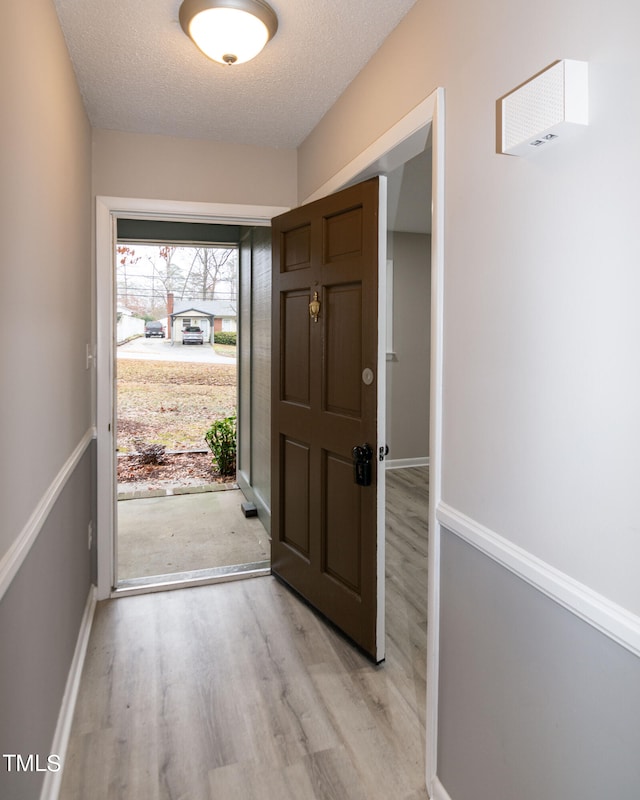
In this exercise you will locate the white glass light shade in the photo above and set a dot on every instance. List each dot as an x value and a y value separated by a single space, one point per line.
228 31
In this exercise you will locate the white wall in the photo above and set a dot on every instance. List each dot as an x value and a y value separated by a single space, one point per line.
541 387
541 422
193 170
45 260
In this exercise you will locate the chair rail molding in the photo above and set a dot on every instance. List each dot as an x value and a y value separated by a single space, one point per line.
19 550
603 614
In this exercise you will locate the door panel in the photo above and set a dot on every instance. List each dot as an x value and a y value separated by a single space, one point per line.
343 235
324 525
341 517
294 339
343 349
296 249
295 484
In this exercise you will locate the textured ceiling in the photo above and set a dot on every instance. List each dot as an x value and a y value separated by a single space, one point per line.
138 72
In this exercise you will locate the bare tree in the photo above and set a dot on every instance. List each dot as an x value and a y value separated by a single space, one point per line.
128 289
210 267
168 274
145 277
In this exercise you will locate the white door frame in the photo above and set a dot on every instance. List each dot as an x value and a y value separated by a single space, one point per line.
108 211
403 141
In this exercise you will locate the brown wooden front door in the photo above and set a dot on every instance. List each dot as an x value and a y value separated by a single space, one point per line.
325 384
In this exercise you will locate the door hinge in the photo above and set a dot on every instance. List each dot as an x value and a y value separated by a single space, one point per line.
382 452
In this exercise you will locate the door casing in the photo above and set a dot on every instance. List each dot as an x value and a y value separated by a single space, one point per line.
108 210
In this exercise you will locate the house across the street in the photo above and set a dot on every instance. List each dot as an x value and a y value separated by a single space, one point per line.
211 316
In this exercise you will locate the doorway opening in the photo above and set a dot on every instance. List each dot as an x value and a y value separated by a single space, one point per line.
180 513
252 230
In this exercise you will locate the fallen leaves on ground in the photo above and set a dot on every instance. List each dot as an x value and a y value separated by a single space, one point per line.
178 469
174 372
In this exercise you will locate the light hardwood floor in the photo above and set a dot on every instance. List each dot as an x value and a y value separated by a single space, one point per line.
239 691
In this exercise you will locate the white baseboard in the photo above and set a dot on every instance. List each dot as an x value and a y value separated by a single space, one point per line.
608 617
405 463
19 550
53 780
438 792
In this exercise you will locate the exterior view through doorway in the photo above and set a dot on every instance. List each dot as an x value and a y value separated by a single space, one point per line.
180 511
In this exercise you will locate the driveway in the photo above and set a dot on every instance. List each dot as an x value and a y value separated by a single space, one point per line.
155 349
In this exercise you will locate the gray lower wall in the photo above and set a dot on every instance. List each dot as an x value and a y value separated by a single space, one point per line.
40 617
533 702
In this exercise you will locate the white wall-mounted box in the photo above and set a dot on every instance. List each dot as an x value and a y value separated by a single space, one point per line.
546 108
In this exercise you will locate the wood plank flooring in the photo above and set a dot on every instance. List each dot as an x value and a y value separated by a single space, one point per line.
239 691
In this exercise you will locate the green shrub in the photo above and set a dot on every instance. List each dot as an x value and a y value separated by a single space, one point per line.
225 337
221 438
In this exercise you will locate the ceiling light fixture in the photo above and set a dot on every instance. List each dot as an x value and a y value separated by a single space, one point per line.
228 31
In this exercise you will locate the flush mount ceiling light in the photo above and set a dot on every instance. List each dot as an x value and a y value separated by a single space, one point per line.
228 31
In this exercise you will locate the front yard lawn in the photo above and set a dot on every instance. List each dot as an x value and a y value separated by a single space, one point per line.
169 403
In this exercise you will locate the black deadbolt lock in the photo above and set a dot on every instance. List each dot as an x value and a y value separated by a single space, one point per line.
362 456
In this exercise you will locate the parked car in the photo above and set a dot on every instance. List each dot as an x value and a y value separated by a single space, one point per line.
192 335
154 329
